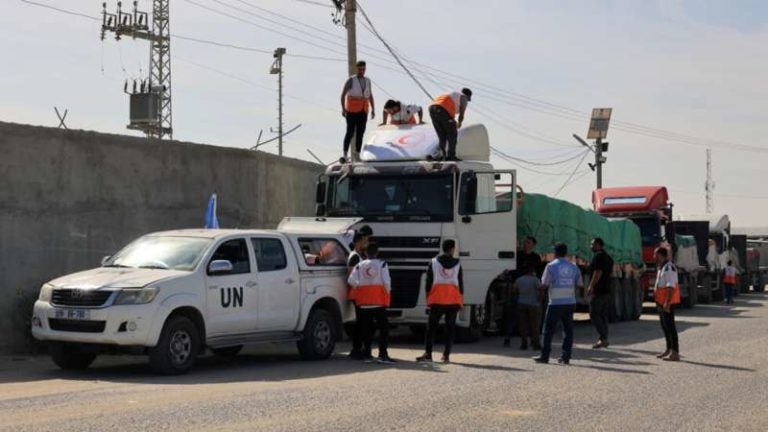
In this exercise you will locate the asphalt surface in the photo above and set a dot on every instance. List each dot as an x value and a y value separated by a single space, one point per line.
721 384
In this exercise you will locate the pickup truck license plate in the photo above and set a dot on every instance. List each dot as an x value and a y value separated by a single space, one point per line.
73 314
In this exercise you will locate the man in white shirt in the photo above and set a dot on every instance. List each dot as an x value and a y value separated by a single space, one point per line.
401 114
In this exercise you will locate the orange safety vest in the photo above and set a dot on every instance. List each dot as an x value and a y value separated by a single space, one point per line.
730 276
371 291
450 101
358 95
445 286
661 294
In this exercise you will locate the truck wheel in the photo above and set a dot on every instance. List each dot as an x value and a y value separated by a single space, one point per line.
706 283
319 337
71 356
637 299
474 332
227 352
614 312
418 331
629 300
177 348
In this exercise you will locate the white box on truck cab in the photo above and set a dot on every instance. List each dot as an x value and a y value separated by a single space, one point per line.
175 293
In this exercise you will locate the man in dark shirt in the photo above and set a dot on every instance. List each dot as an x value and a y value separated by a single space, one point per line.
527 258
600 291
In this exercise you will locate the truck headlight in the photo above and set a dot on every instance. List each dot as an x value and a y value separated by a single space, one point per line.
134 296
46 293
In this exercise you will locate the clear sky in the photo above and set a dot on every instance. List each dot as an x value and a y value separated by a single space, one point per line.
688 67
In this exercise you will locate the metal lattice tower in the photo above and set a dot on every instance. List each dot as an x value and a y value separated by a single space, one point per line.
151 106
709 186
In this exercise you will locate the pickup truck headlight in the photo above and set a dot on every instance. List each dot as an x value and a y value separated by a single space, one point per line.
46 293
134 296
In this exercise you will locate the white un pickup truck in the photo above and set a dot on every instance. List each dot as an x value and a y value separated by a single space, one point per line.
173 294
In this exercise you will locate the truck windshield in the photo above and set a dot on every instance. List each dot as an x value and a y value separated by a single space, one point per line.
427 198
650 230
173 253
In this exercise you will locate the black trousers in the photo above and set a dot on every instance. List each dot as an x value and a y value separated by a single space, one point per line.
670 330
435 313
445 126
357 335
355 127
370 320
599 309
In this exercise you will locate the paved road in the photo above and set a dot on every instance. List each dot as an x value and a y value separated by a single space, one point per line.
721 384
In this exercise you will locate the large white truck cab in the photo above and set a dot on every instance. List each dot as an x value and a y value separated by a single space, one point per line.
413 202
172 294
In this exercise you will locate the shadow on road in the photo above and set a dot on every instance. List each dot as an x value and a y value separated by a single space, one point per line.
718 366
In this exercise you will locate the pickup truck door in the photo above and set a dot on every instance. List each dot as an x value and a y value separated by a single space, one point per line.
279 291
232 297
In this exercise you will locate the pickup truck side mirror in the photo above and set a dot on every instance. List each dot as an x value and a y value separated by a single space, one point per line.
320 210
105 260
220 267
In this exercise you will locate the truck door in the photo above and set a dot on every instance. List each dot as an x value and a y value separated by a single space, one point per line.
486 228
231 294
279 287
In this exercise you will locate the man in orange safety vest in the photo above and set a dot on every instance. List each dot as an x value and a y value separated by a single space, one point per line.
356 102
667 296
371 287
445 290
443 113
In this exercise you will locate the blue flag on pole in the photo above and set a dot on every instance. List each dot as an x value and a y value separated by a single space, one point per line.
211 221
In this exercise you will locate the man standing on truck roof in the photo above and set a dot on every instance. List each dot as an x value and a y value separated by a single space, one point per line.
356 101
443 112
401 114
445 290
360 242
667 296
372 285
599 291
561 277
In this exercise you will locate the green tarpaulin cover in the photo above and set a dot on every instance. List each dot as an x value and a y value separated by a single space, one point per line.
551 220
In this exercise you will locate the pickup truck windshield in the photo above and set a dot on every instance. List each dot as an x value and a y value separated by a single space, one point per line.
173 253
427 198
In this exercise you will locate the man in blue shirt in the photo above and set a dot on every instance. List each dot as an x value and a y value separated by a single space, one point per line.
561 277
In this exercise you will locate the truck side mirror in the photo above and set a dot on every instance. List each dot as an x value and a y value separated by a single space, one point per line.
220 267
469 192
320 210
320 192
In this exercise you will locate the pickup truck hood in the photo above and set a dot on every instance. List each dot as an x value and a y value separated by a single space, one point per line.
110 277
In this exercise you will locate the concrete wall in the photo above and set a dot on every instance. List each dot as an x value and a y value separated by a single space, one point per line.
67 198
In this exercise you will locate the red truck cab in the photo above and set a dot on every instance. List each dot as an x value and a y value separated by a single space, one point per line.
648 207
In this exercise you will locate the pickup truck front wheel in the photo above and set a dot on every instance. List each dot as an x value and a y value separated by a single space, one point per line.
71 356
177 349
319 337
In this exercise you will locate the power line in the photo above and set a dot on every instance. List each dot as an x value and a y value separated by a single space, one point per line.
68 12
572 174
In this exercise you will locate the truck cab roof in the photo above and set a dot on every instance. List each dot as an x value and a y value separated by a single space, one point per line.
633 199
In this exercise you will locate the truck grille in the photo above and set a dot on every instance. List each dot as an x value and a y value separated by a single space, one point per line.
79 297
77 325
408 258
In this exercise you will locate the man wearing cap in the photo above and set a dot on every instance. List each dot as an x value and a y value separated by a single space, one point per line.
443 112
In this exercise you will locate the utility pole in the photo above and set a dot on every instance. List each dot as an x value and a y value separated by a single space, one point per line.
277 69
709 185
150 108
350 10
